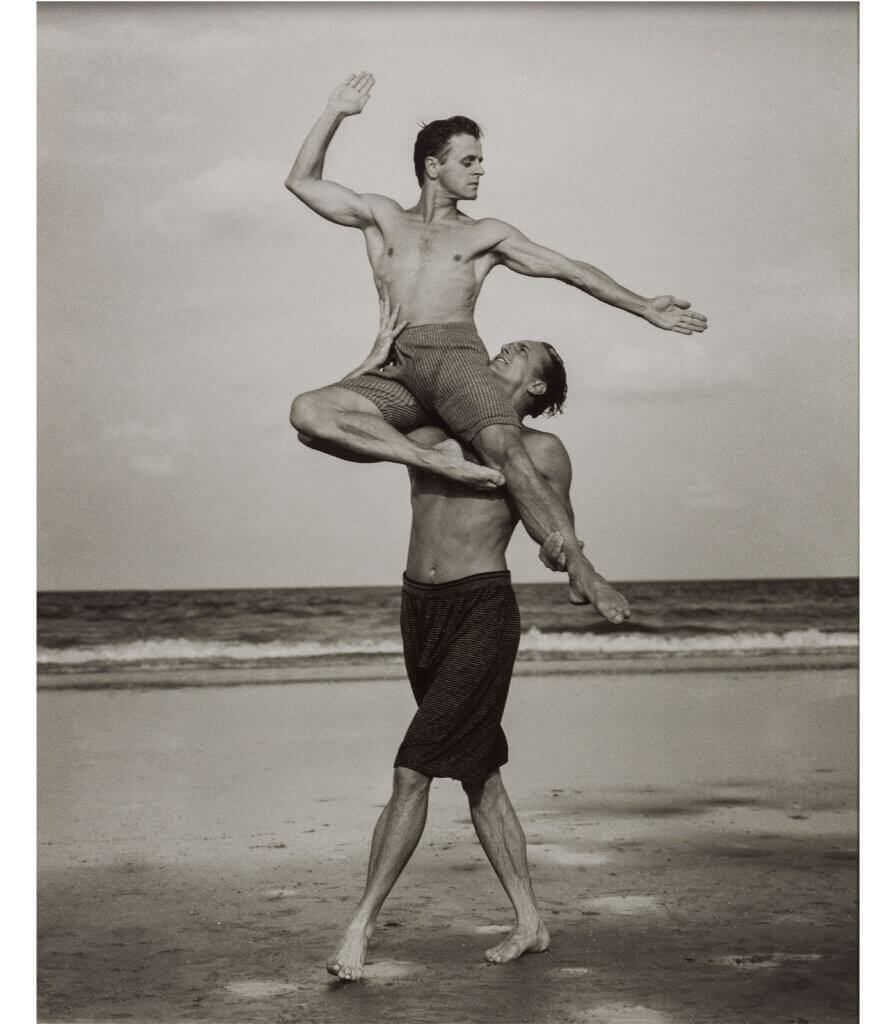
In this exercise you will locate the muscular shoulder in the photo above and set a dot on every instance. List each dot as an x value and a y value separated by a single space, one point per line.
496 230
547 452
382 206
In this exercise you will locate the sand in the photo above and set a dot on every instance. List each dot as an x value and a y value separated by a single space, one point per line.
692 841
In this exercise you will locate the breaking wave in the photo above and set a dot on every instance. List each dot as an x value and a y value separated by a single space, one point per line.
633 643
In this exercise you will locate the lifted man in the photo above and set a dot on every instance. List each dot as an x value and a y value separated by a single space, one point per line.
429 262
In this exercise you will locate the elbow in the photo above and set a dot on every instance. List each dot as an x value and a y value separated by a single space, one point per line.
296 185
575 275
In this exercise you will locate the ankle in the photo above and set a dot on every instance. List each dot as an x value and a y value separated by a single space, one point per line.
528 921
362 923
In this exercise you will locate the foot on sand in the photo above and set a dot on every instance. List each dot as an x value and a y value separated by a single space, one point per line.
447 459
520 940
348 962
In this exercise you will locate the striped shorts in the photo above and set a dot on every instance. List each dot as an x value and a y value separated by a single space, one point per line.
439 374
460 642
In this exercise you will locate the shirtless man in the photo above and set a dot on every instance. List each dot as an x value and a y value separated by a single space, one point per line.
430 262
460 629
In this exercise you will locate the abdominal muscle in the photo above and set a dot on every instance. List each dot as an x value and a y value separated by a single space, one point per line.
430 286
431 299
452 538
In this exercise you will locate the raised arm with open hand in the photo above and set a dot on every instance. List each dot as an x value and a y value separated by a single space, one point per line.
351 96
335 202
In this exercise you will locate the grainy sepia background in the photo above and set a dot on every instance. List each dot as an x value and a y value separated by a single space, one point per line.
219 692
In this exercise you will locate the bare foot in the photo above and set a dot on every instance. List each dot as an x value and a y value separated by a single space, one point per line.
447 459
348 962
596 591
520 940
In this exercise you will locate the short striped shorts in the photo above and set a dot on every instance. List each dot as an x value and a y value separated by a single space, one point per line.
460 642
439 374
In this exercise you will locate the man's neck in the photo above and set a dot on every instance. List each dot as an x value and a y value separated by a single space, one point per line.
435 205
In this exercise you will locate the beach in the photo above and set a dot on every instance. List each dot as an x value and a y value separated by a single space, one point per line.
692 839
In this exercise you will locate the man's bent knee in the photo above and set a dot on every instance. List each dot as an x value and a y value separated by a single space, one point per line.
306 415
408 782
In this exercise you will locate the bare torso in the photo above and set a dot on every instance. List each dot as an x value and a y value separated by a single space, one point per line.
433 269
456 531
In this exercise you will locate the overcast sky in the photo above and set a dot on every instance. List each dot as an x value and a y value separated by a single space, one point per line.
185 296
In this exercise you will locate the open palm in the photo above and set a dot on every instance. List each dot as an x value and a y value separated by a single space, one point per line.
350 96
671 314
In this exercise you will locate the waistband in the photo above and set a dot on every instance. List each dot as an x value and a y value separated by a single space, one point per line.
479 580
451 329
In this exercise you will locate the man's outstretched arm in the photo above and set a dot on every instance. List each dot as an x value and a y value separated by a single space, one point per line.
335 202
523 256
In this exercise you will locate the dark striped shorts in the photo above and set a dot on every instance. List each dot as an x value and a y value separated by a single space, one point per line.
460 643
439 374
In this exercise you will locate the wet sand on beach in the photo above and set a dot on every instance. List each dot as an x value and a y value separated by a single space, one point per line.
692 838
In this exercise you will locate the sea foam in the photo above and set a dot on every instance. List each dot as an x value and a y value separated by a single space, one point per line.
534 640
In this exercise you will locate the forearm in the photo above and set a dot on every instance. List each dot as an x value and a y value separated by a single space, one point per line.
542 510
601 286
310 161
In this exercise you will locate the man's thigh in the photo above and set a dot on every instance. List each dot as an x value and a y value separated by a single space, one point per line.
375 394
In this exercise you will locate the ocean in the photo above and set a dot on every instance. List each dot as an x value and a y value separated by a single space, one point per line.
170 631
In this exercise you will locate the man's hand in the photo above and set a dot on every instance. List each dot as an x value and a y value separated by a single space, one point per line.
350 96
390 328
551 552
671 314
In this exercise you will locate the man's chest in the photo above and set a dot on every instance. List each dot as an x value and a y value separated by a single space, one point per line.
416 243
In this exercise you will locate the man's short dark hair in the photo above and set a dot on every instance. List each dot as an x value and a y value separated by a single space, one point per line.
554 376
433 139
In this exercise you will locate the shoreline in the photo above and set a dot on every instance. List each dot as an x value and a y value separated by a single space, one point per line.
391 668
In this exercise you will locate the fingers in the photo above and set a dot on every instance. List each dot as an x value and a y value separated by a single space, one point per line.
551 551
362 81
681 303
690 323
401 327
